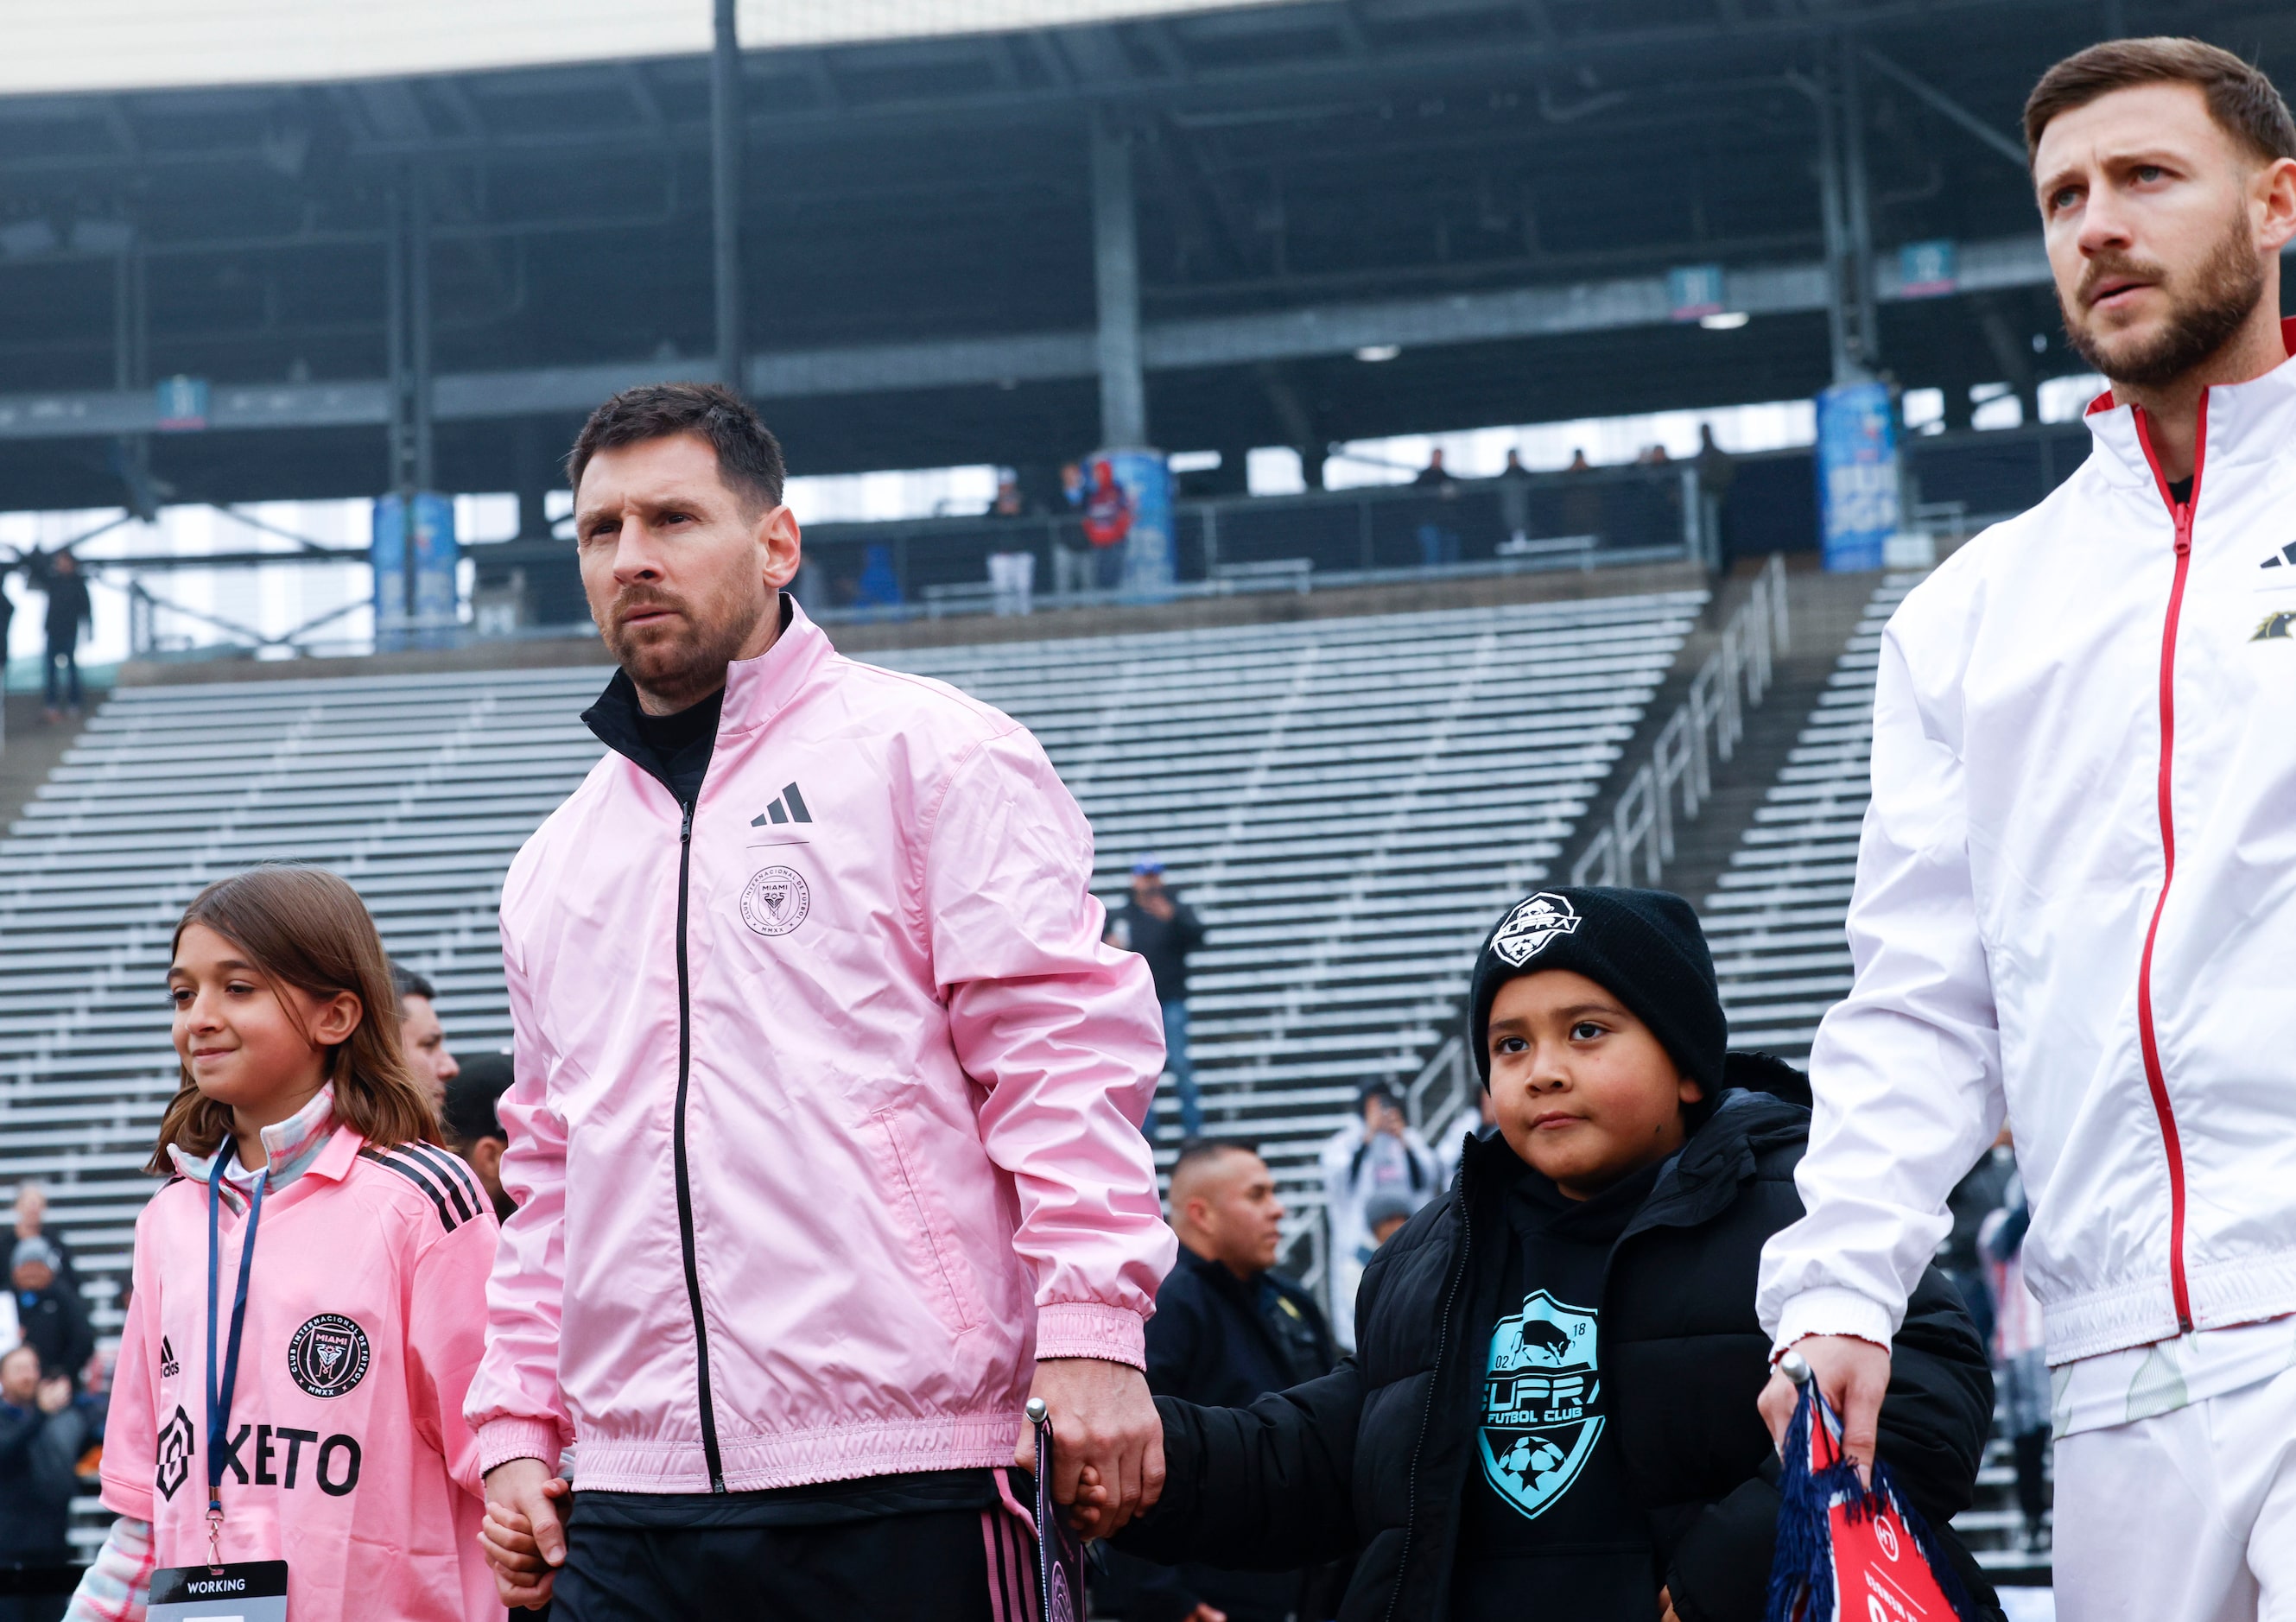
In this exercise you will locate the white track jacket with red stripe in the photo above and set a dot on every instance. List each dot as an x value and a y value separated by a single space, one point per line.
2075 900
826 1118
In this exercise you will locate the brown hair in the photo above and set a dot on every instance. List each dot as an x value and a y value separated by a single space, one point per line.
748 456
306 927
2241 99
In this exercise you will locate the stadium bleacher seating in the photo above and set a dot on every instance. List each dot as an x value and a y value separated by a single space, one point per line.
1348 801
1775 918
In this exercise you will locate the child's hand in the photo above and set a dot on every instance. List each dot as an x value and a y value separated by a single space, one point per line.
523 1535
1666 1606
1089 1517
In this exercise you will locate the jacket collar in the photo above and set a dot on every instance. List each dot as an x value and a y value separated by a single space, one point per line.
1702 1178
2252 422
306 1141
1217 1272
756 689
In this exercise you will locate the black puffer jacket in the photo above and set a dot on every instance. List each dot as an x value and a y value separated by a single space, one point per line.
1373 1458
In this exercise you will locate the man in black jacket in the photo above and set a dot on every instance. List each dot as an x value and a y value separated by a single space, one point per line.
1164 929
55 1323
1551 1411
1227 1329
41 1434
68 612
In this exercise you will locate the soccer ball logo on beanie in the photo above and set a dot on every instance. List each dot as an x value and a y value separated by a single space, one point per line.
328 1355
776 901
1530 926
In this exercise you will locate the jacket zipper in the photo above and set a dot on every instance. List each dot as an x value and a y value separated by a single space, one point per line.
684 1183
1434 1383
2155 1078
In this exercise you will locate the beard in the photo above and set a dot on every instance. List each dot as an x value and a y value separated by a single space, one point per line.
2226 289
679 662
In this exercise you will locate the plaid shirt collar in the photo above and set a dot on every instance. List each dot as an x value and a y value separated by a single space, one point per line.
291 1145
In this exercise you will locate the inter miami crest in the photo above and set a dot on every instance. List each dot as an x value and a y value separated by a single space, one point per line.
328 1355
1541 1403
776 901
1530 926
174 1452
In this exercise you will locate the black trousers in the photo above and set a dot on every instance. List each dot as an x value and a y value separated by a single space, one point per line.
944 1566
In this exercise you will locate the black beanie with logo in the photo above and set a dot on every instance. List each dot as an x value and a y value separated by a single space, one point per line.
1643 947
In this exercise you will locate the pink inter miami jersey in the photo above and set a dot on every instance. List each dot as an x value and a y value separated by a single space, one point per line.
347 1456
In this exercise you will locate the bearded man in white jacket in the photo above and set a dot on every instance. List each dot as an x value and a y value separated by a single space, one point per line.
2076 894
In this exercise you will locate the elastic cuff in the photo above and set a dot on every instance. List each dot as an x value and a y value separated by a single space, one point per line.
1088 1328
501 1440
1833 1311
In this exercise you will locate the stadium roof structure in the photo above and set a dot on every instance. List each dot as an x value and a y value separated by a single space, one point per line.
149 45
951 241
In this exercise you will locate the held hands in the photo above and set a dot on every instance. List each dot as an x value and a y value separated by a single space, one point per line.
1852 1374
524 1534
1108 1442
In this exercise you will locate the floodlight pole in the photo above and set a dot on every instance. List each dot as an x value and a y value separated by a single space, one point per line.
423 457
1866 326
726 191
1116 267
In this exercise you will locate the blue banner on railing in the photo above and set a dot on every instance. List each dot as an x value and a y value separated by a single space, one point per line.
438 598
1856 475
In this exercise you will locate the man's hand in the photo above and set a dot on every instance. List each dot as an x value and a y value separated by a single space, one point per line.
524 1534
55 1395
1666 1606
1853 1375
1105 1422
1205 1613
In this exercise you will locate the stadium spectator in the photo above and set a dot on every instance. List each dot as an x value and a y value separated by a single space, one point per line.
1514 496
1975 1198
1382 1154
54 1322
42 1431
1007 503
1228 1329
1164 929
1718 471
70 612
1579 462
1448 1152
472 1128
1385 1213
32 1222
1434 475
2075 887
1107 524
2021 1363
421 1036
836 1034
1550 1415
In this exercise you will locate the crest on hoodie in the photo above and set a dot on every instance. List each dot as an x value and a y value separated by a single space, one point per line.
174 1451
775 900
1541 1403
328 1356
1531 925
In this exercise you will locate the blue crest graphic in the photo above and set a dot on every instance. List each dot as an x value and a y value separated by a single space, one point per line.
1541 1403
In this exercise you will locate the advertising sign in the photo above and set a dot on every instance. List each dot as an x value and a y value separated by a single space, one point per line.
1927 270
1136 515
1856 475
182 404
1694 290
437 606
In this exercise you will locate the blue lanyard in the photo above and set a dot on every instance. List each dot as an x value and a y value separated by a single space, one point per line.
219 1392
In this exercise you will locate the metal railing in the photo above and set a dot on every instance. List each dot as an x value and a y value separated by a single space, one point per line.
1706 727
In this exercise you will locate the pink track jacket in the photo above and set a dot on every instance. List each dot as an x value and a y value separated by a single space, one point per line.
347 1457
826 1122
